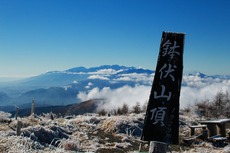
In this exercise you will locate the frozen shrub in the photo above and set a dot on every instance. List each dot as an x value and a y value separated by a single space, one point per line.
122 145
137 108
119 111
4 117
218 107
102 112
94 120
125 109
70 145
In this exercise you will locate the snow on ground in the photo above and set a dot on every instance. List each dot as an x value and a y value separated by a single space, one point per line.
87 133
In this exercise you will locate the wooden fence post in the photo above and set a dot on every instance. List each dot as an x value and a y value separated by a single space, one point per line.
33 108
19 126
16 114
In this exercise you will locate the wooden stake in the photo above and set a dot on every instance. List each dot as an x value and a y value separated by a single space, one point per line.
33 108
19 126
16 114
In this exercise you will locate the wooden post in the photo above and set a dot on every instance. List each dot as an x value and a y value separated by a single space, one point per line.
19 126
157 147
212 129
51 116
192 131
16 114
222 129
33 108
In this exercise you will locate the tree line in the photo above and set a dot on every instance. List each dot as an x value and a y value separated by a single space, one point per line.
218 107
124 109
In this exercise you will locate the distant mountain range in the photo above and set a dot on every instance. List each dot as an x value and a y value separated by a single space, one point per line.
62 87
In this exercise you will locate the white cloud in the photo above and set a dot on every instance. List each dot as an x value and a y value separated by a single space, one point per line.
135 77
196 89
106 71
117 97
72 72
89 84
123 79
98 77
208 90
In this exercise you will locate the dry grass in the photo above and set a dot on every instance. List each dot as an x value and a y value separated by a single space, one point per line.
85 133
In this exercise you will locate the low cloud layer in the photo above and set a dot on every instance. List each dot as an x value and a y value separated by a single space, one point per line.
194 90
191 95
117 97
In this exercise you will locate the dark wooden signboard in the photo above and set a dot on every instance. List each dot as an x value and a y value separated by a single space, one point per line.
162 115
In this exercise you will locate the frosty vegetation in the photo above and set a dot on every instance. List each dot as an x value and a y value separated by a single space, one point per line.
218 107
115 130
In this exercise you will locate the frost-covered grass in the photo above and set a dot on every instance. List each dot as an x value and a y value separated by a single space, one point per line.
4 116
85 133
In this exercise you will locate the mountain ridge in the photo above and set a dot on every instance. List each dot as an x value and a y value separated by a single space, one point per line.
89 106
62 87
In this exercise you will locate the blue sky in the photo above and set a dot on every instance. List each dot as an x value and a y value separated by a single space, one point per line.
44 35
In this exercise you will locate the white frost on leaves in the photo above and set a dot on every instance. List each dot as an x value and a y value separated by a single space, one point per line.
87 133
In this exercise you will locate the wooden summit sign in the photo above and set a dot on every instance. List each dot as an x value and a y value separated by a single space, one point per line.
162 115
